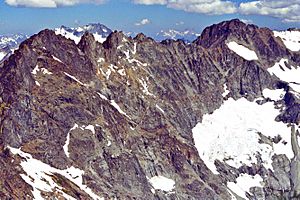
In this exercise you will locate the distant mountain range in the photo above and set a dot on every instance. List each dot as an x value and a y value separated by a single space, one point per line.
99 31
8 43
186 35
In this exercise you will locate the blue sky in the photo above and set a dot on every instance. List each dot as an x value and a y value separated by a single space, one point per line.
30 16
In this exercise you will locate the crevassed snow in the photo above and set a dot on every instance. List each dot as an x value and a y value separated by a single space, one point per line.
242 51
39 176
274 94
243 184
285 74
226 91
291 39
162 183
230 134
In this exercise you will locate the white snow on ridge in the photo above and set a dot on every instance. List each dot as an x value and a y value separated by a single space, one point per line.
162 183
242 51
38 176
230 134
68 35
243 184
291 39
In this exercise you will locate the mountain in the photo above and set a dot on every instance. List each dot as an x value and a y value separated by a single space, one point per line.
186 35
132 118
8 43
99 31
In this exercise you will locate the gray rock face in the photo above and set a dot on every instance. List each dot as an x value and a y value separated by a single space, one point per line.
125 110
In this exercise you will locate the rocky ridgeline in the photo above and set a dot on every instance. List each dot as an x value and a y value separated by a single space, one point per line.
123 112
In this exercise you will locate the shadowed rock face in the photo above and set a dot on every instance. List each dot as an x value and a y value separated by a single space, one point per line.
142 99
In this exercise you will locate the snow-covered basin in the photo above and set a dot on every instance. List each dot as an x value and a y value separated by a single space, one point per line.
231 133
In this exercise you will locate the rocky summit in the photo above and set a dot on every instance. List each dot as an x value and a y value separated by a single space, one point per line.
124 119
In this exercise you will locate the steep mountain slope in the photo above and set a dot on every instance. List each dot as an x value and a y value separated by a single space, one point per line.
127 118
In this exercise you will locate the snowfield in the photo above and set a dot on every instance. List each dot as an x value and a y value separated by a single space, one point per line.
162 183
291 39
232 135
284 73
242 51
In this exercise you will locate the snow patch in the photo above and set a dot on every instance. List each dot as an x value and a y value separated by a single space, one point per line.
66 146
91 128
2 55
162 183
100 60
243 184
291 39
57 59
231 134
122 72
114 104
43 70
99 38
275 95
242 51
38 175
226 91
145 87
74 78
159 108
37 83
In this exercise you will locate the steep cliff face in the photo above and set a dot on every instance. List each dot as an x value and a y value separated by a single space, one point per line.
115 120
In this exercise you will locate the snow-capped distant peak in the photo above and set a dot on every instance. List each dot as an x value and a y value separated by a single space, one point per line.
99 31
8 43
187 35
